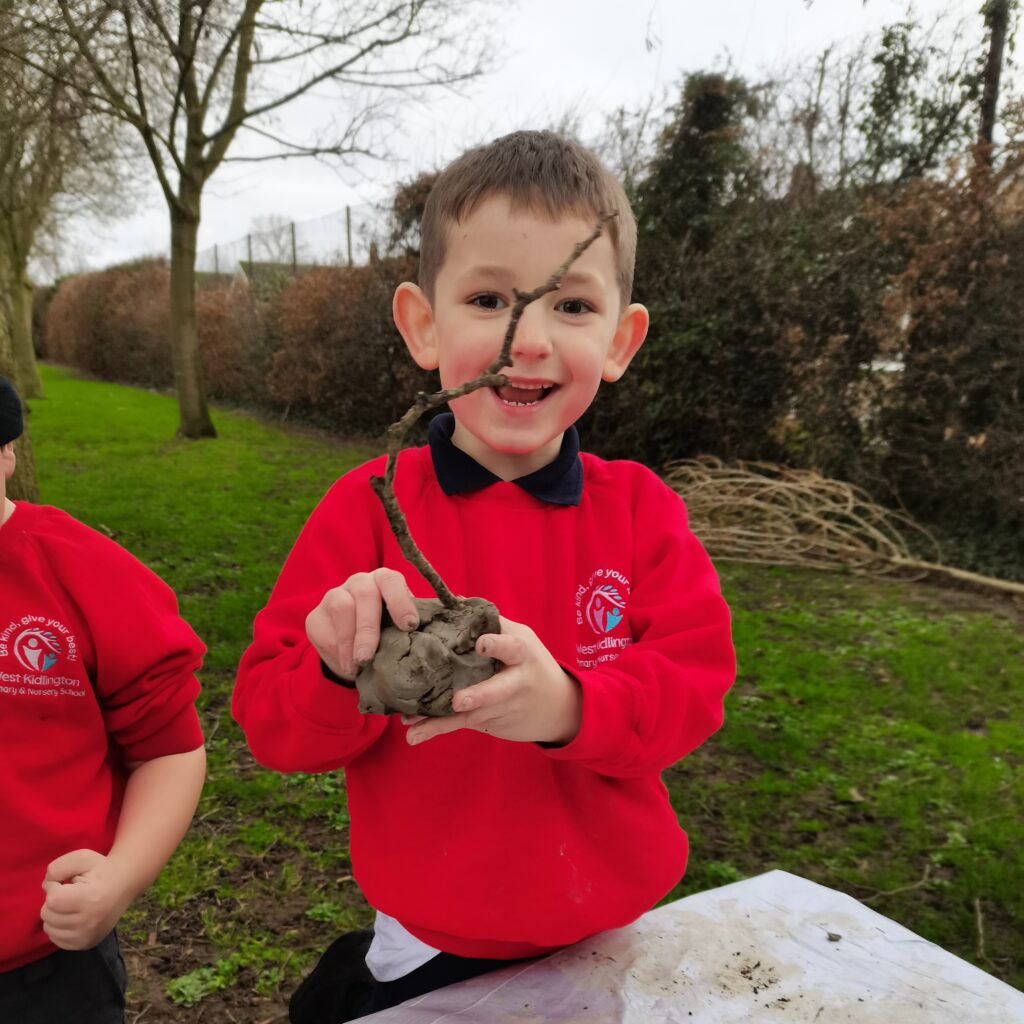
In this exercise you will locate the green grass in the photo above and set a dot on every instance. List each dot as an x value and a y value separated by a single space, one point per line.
873 741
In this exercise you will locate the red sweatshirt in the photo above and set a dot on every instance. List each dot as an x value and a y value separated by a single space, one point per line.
96 670
479 846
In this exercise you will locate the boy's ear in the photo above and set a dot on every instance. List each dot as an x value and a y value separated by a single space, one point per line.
414 318
629 336
8 460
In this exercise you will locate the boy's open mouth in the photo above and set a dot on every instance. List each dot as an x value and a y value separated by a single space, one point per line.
512 394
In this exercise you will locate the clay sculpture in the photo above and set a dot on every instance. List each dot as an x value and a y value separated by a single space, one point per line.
418 673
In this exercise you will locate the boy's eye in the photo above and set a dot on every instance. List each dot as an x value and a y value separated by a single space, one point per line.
574 307
487 300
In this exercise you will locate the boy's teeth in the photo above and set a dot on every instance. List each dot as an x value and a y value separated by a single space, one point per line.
521 396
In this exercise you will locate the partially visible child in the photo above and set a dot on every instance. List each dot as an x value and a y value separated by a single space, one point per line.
102 756
535 815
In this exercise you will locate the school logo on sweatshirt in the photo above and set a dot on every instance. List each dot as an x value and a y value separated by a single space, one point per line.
46 652
37 649
601 605
605 608
37 643
601 601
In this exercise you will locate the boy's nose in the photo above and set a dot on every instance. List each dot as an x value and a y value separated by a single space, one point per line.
532 340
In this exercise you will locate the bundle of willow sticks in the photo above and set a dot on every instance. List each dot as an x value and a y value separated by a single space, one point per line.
765 514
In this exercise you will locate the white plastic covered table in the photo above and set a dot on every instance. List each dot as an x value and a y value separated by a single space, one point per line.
774 948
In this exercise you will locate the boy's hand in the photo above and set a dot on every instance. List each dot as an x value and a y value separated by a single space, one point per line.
345 626
531 699
78 915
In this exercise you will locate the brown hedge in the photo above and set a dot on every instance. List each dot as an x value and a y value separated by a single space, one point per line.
234 344
322 349
113 324
339 360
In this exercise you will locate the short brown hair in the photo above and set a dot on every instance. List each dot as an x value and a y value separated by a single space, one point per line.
536 171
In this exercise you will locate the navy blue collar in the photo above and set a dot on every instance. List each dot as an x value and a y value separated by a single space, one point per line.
558 483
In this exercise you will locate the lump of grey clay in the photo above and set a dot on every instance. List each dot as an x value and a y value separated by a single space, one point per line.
418 673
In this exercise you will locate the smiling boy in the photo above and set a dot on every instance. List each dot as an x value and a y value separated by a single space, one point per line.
540 818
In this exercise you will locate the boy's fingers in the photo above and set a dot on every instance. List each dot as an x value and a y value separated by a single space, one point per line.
63 900
506 648
64 938
340 610
364 590
58 915
475 708
395 592
64 868
435 727
487 694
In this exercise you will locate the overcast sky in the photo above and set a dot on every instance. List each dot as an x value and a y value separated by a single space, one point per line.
588 56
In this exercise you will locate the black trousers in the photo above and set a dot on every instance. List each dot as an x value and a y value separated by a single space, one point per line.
443 969
341 988
67 987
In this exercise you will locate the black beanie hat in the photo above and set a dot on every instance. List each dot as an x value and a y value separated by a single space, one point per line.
11 423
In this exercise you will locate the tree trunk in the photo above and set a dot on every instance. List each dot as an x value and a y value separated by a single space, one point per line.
997 18
26 373
22 486
184 338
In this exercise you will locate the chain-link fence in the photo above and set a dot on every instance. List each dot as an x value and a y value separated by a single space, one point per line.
278 246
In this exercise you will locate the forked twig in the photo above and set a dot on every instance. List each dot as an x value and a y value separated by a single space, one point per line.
980 923
924 880
398 432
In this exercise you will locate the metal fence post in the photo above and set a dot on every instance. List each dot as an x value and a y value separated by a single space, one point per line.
295 262
348 232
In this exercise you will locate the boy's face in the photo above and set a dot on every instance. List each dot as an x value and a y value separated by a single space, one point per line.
566 342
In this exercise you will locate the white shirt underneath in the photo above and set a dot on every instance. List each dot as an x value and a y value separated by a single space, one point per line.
395 952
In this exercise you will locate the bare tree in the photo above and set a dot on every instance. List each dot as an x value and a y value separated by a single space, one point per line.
882 111
272 240
998 16
190 77
45 155
22 486
626 144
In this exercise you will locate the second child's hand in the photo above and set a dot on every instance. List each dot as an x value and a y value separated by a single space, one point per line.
86 894
531 699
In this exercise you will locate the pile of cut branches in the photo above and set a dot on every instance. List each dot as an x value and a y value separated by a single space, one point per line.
765 514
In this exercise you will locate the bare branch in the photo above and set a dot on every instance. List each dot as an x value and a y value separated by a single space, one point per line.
178 90
113 95
221 140
189 32
216 69
336 71
145 125
306 152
